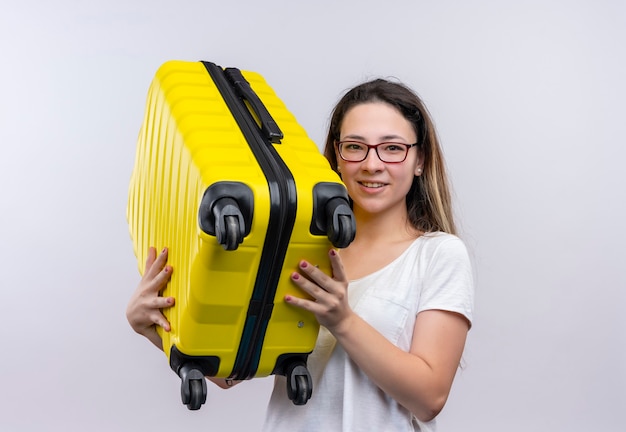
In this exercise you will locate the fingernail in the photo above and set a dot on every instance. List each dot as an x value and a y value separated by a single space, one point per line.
164 250
295 276
304 264
333 252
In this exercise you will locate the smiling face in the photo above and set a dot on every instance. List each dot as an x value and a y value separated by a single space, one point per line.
377 187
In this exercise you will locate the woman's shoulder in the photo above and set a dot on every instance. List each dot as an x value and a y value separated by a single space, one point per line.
441 245
437 239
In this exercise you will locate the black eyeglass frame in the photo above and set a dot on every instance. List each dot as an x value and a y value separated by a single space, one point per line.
375 147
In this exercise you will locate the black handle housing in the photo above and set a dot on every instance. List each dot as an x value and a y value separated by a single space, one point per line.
269 128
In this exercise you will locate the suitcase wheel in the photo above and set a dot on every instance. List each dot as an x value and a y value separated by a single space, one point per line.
344 233
193 388
299 383
229 223
233 235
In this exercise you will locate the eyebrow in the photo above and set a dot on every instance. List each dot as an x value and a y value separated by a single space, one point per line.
383 139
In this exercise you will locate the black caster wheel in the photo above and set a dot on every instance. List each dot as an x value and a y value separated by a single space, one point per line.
345 234
193 388
299 384
340 225
229 223
232 240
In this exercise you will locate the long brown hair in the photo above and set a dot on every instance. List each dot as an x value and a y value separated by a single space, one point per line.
428 201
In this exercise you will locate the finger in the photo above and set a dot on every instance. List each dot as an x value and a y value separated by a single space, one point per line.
160 320
157 264
316 275
150 258
309 287
336 264
308 305
162 302
159 282
151 285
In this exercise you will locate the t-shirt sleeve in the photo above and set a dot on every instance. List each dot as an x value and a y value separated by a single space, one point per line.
448 282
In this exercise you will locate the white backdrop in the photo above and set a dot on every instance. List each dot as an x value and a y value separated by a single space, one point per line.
529 101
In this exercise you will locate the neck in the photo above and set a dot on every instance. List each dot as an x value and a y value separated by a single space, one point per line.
383 228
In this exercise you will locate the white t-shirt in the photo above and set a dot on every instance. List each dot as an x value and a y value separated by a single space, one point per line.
433 273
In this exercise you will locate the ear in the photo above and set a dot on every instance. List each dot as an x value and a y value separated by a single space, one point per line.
419 168
338 161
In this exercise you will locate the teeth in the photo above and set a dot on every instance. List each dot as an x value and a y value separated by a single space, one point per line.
372 185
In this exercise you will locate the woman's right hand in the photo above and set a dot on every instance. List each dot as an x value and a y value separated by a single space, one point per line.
144 308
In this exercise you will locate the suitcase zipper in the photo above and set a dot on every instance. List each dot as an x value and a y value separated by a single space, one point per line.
283 201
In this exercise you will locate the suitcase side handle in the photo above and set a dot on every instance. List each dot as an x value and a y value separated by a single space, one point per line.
269 128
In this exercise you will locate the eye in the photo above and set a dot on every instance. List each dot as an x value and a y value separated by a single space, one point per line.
353 146
393 147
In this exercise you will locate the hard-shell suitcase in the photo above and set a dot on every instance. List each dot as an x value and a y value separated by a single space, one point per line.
228 180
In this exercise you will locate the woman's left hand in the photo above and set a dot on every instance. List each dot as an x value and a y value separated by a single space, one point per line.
330 294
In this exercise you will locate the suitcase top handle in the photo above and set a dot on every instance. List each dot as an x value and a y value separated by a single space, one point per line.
269 128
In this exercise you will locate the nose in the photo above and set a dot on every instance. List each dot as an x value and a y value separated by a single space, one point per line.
372 162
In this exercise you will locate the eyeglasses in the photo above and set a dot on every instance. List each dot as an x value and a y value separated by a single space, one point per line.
389 152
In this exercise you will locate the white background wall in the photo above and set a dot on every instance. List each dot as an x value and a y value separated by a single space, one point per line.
529 100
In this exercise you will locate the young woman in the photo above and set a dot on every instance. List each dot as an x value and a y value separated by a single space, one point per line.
397 307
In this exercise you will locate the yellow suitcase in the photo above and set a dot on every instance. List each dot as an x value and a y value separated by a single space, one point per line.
228 180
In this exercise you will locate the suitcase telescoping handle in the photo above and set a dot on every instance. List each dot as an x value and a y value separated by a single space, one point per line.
269 128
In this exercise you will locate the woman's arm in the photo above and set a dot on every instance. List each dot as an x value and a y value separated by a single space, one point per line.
420 379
